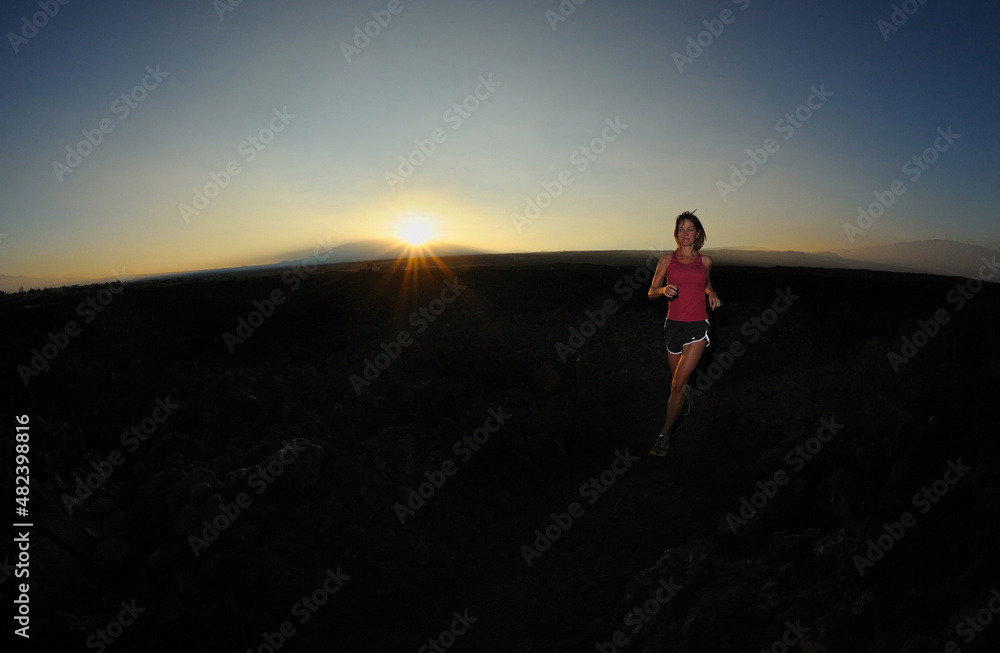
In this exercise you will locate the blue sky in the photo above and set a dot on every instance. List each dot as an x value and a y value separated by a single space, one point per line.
531 91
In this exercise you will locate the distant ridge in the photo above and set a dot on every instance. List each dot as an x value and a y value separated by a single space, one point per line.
944 257
13 283
940 257
363 251
372 250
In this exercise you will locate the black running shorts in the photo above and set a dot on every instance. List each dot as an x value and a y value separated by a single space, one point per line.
677 334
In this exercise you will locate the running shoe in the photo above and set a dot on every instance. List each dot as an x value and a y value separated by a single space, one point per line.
660 446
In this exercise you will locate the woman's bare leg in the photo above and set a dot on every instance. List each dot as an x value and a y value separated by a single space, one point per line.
681 367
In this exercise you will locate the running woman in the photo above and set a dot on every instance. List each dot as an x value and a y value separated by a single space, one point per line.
684 278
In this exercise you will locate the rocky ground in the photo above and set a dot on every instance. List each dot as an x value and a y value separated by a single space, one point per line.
484 485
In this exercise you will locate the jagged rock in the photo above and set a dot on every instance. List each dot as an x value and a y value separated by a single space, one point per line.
191 488
791 546
304 470
164 446
116 557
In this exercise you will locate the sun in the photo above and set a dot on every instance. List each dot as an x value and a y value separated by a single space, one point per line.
415 229
416 233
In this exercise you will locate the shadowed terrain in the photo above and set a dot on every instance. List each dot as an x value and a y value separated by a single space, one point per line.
382 457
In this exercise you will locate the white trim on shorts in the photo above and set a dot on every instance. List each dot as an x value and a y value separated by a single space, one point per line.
691 343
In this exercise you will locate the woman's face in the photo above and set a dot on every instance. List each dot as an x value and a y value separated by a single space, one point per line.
686 233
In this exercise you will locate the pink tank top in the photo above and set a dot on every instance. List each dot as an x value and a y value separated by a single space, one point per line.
690 278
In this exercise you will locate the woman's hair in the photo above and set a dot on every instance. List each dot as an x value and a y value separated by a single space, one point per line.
689 215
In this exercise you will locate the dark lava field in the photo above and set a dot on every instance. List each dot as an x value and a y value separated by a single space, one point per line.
456 459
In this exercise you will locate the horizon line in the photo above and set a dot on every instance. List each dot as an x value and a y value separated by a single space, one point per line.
74 282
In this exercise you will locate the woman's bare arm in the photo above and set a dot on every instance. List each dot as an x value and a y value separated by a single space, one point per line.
657 288
713 299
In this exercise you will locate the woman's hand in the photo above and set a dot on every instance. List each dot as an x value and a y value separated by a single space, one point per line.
670 292
713 301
